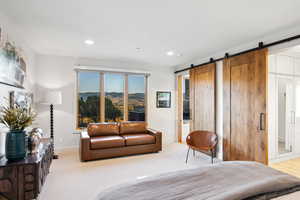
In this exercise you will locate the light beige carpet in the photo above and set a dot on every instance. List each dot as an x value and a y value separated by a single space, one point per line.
71 179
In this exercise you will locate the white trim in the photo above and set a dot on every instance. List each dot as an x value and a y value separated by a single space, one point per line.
109 69
75 104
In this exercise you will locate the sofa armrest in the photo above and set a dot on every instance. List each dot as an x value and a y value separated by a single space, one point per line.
84 146
158 137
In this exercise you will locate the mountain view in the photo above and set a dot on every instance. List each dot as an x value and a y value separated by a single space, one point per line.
89 107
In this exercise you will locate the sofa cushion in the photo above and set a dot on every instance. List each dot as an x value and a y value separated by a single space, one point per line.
138 139
104 142
101 129
133 127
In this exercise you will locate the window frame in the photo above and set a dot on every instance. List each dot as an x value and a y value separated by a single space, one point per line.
102 93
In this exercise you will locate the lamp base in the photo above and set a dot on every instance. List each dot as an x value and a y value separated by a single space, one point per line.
55 156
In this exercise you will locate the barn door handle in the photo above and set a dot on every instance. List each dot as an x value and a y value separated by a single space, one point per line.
262 121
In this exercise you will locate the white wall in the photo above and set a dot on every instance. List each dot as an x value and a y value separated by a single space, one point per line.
57 73
15 35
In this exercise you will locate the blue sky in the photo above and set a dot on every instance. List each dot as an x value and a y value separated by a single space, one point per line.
136 84
90 82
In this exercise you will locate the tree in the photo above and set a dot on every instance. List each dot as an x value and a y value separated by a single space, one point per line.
88 110
111 111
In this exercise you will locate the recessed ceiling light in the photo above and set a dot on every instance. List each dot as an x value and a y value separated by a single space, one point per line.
89 42
170 53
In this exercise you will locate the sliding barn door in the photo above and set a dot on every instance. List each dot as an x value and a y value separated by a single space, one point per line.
202 97
245 99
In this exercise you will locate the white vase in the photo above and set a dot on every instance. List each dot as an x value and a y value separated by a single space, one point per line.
2 141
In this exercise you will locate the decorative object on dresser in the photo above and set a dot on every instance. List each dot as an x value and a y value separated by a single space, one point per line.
163 99
34 139
52 98
23 180
16 119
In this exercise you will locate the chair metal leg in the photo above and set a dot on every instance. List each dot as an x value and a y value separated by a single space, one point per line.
212 157
187 155
193 152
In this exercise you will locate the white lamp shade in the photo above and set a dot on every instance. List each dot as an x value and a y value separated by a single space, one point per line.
52 97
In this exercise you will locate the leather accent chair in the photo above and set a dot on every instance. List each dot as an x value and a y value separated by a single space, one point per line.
107 140
202 141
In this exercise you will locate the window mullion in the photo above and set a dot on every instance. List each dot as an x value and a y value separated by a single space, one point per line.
146 98
102 98
126 98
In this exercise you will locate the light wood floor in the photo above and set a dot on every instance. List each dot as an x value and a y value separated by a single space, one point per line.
291 167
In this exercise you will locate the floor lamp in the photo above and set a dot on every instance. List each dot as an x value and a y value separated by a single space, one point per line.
52 98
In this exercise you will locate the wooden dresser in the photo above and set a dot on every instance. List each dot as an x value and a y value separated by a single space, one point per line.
23 180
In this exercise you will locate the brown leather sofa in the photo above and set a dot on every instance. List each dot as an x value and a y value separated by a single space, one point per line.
107 140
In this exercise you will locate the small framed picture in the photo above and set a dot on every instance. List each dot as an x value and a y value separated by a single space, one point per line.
163 99
21 99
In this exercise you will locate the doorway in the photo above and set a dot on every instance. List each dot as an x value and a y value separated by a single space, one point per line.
183 105
284 104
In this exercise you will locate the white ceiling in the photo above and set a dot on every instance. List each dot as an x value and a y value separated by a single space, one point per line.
193 28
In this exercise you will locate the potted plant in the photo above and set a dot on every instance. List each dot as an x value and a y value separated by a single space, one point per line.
16 119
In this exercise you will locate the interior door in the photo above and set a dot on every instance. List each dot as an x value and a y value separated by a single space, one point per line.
245 99
202 97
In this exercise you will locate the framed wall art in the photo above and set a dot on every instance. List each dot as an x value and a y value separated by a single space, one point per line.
12 63
163 99
22 99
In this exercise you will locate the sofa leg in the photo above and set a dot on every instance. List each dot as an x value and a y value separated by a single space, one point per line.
187 155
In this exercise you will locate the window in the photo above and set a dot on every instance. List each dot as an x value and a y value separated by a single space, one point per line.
136 98
109 97
114 97
88 98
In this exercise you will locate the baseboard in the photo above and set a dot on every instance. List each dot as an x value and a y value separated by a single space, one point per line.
59 149
284 158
